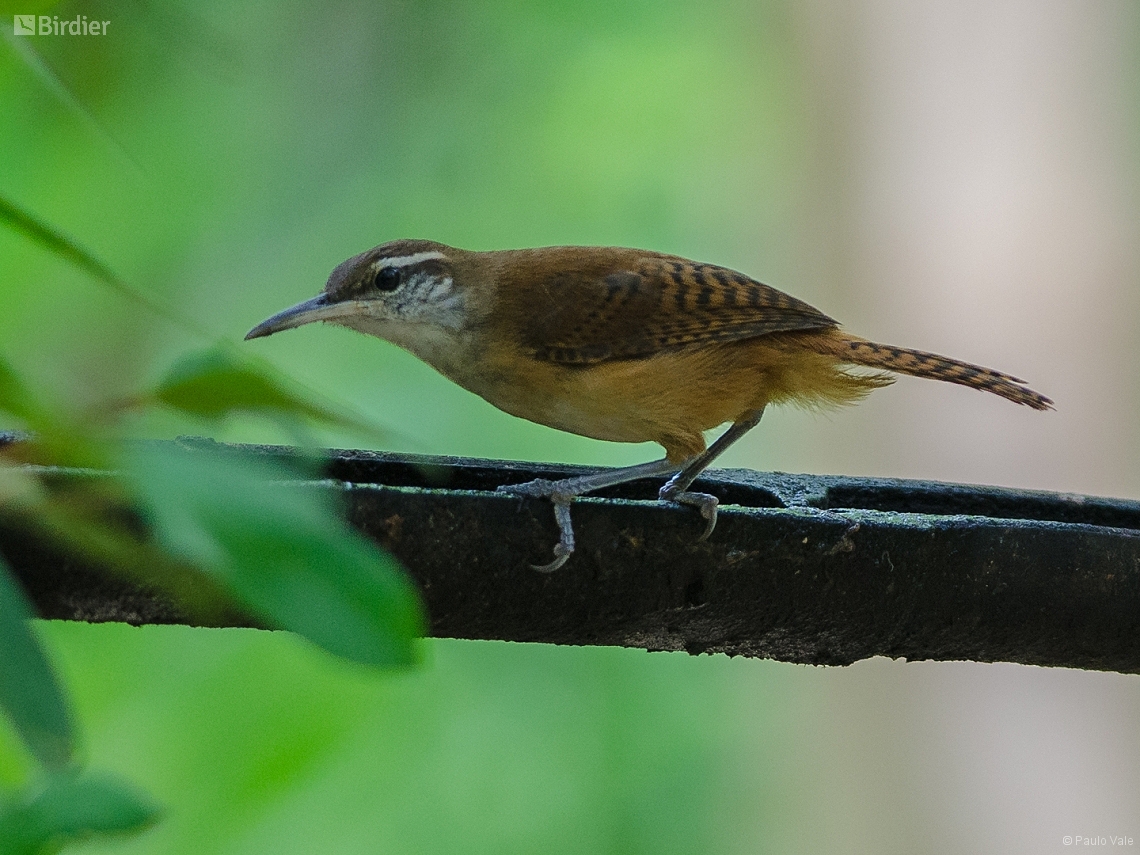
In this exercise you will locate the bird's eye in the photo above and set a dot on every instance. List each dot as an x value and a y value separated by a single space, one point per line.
387 279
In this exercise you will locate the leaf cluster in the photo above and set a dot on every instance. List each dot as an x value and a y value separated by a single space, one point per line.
208 529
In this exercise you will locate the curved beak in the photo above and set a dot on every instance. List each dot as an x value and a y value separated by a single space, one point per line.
319 308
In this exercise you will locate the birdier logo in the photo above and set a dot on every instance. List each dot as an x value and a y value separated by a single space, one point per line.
52 25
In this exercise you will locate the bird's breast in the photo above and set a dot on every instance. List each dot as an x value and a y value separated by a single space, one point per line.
654 399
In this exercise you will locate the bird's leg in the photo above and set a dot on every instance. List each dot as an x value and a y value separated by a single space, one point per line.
676 489
562 493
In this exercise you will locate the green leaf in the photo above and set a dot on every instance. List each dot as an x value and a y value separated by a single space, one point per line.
73 807
56 242
281 548
60 245
212 383
15 397
57 440
29 691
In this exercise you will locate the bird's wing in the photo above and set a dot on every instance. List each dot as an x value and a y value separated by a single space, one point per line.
658 304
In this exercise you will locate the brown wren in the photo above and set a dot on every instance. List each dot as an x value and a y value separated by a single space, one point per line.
626 345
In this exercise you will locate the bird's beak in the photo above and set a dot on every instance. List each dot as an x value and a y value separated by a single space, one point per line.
319 308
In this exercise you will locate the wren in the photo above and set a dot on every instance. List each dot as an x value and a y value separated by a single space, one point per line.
625 345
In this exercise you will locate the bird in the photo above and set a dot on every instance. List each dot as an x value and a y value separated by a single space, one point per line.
617 344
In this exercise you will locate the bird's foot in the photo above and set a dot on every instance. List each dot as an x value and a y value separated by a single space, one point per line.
560 497
703 502
561 493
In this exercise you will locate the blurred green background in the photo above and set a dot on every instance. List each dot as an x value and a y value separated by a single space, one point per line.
959 177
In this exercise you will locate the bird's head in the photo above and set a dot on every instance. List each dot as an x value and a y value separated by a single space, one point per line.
387 291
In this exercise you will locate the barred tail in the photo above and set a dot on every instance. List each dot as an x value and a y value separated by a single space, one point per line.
918 363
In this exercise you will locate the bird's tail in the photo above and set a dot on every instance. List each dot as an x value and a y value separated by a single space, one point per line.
918 363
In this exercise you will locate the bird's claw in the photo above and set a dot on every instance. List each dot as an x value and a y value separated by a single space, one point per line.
541 488
562 493
565 546
703 502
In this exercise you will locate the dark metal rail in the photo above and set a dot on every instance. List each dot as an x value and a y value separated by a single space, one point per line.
820 570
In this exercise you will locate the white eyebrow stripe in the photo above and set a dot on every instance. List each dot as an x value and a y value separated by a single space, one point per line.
405 260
